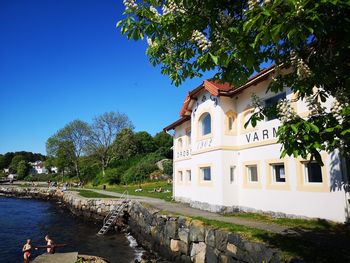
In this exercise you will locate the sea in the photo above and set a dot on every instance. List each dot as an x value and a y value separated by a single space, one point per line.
22 219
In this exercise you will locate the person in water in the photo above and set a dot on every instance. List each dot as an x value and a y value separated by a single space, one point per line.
27 251
50 244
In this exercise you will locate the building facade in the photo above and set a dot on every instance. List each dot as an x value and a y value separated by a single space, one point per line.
221 166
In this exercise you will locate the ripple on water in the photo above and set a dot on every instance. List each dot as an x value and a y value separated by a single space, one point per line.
26 218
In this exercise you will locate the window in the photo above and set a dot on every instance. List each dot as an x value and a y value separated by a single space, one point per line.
278 173
230 123
206 173
179 144
188 134
232 174
206 123
313 172
271 103
180 176
188 172
252 173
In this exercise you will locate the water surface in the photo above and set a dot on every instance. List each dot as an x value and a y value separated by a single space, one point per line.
26 218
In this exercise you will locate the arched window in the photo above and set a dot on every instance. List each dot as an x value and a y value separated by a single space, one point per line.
230 123
206 123
179 144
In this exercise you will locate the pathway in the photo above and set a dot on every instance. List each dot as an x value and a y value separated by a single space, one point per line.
184 209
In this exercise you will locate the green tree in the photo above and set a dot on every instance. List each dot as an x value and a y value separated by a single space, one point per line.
22 169
103 132
70 143
14 163
310 38
125 145
145 142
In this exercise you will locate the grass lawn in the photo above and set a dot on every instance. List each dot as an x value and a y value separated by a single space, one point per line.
147 189
91 194
306 224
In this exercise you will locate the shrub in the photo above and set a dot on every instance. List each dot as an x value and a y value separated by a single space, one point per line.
168 167
139 172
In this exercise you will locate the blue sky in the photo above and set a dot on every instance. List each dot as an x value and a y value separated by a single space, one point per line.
62 60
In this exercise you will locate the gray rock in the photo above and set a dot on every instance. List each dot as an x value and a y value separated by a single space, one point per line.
197 232
221 238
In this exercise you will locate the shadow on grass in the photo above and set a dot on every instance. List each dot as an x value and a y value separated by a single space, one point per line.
316 245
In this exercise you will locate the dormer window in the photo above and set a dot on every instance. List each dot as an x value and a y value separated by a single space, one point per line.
205 121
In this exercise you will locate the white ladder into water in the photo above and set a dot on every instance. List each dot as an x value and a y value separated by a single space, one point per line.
113 215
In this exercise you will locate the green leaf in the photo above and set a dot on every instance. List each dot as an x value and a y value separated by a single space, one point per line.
314 127
214 58
294 128
119 23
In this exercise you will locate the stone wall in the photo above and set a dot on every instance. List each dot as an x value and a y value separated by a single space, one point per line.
175 238
180 239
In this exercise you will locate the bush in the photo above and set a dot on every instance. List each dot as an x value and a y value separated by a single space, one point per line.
168 167
112 176
139 172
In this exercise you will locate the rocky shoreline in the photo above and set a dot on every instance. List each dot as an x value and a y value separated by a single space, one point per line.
174 238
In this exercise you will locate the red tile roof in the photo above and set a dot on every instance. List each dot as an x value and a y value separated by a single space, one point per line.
216 88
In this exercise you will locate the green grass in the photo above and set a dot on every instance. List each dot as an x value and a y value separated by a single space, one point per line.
91 194
307 224
147 189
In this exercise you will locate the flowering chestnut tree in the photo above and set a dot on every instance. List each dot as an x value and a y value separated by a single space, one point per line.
310 38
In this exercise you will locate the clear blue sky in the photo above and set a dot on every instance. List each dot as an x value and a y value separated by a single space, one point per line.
62 60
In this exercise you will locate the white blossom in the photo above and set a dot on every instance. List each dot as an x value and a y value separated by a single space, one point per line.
252 4
303 70
314 105
299 7
130 4
286 111
201 40
154 11
151 43
171 7
336 109
267 2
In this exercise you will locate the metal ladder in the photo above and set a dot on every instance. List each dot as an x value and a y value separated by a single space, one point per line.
113 215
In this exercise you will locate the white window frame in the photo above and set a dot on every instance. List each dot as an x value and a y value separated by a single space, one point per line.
274 173
189 175
306 174
250 174
203 175
180 174
232 174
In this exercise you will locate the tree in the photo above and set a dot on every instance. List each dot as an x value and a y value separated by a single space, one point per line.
125 145
14 163
145 142
70 143
22 169
103 132
236 38
164 142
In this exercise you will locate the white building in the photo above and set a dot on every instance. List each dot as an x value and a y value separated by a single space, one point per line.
221 166
38 168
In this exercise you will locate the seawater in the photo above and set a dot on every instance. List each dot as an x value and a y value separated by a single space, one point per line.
21 219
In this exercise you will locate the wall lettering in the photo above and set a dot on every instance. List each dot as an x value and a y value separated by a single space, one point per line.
261 135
